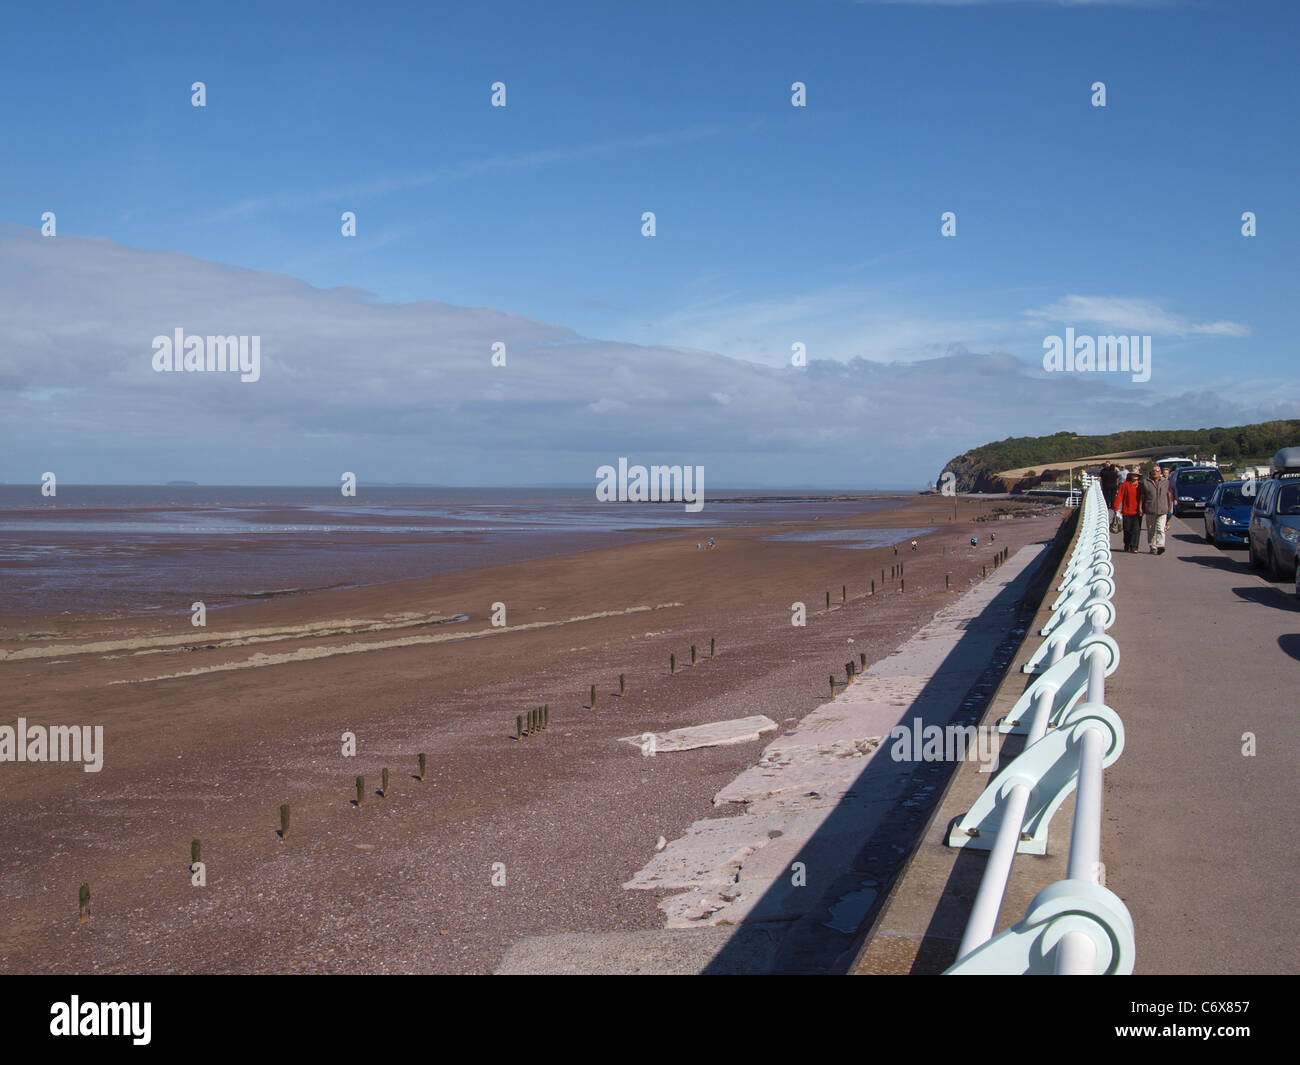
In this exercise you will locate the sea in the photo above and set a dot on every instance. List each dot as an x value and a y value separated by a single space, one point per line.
144 549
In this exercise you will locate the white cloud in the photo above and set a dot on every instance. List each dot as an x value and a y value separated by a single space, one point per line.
407 392
1129 315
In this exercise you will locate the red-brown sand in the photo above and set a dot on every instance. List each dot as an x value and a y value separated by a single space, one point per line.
203 740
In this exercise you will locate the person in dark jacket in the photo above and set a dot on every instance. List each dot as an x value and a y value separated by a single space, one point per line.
1109 477
1128 505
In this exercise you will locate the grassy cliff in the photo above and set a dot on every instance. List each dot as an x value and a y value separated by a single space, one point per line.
978 469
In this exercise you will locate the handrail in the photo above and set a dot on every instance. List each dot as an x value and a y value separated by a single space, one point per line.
1075 925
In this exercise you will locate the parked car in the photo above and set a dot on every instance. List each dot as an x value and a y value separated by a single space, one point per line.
1286 462
1275 526
1170 464
1227 514
1191 486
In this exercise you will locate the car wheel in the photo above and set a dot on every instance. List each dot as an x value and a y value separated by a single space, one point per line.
1274 571
1250 549
1209 536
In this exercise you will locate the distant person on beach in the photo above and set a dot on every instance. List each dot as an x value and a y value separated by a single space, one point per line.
1109 477
913 545
1157 505
1128 505
974 541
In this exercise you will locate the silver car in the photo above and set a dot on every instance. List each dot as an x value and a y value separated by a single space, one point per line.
1275 526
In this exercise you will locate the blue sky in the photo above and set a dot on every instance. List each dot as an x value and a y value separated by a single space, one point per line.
775 224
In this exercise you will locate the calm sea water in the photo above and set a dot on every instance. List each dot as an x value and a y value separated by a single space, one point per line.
146 549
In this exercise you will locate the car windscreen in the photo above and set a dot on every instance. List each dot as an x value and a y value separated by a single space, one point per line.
1235 497
1186 477
1288 499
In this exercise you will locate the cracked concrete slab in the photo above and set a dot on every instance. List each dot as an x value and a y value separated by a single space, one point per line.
714 734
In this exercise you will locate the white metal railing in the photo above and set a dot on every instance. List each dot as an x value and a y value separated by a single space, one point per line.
1075 925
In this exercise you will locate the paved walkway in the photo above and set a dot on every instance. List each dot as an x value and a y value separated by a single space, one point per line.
1199 840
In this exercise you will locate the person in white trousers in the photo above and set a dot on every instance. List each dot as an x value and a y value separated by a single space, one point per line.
1157 505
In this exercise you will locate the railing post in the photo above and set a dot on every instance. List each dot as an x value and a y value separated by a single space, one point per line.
993 885
1085 833
1096 675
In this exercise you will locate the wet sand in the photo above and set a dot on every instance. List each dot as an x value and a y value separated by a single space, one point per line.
207 731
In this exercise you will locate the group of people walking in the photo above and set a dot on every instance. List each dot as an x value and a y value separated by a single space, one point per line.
1133 498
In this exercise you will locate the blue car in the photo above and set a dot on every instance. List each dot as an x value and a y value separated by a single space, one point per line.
1227 514
1192 486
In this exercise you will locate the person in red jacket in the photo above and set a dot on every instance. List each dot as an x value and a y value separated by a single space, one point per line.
1128 505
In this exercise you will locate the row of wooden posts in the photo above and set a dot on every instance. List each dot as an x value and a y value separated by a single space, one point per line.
422 762
895 572
998 559
672 662
538 720
83 892
534 720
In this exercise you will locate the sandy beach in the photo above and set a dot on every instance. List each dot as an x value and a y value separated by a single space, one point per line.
207 731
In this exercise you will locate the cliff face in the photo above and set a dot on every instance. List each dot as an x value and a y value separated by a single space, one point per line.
972 475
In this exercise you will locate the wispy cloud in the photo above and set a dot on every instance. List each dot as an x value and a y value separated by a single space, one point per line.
1130 315
376 187
884 322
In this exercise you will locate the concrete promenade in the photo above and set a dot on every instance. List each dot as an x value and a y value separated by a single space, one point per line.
1198 838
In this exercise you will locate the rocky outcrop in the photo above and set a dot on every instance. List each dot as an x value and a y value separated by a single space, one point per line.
973 475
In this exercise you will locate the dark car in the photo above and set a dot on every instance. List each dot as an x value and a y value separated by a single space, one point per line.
1275 526
1192 486
1227 513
